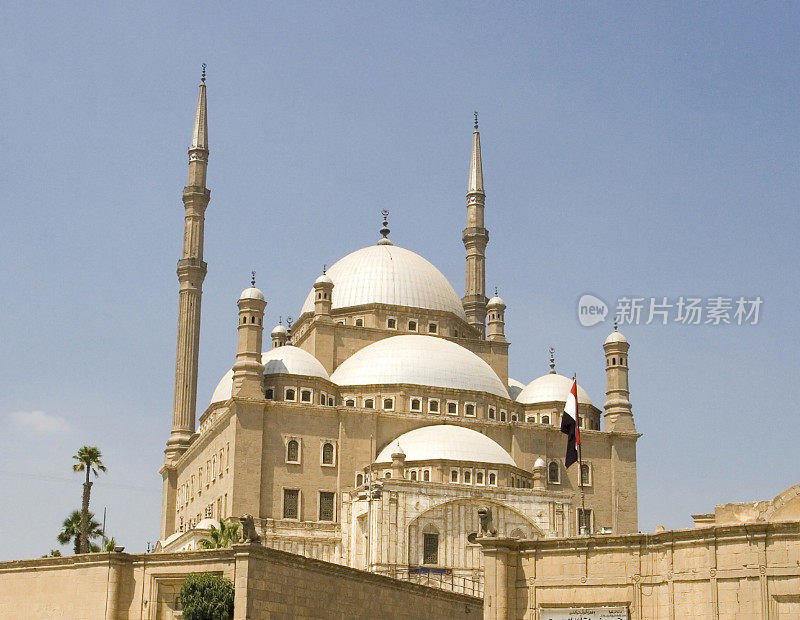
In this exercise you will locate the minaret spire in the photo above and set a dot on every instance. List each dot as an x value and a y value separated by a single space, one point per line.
191 273
475 238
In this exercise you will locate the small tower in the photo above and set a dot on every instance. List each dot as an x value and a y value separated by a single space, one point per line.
398 463
496 311
279 335
191 273
248 371
323 296
475 238
539 474
618 411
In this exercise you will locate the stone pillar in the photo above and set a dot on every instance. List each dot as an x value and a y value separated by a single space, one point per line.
500 561
540 475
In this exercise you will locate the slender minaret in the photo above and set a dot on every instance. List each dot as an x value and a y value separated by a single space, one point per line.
475 238
191 273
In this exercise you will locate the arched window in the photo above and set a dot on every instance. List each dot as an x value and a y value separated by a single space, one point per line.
252 319
349 403
517 533
388 404
586 475
426 475
613 361
305 396
359 322
454 475
553 472
413 475
493 478
293 452
290 394
467 477
514 417
359 480
545 419
270 393
388 474
331 401
433 406
469 409
479 477
416 404
369 403
327 453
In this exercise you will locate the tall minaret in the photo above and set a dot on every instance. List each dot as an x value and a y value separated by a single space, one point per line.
191 273
475 238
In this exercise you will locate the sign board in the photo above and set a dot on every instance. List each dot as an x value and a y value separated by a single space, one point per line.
584 613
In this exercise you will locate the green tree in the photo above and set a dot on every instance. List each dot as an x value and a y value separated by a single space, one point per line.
89 460
71 529
219 538
205 596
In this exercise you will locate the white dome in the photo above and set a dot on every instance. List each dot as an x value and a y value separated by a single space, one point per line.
495 301
448 442
388 274
615 336
252 293
550 388
287 360
279 329
419 360
323 279
514 388
539 463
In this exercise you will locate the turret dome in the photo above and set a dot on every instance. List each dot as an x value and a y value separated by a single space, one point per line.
550 388
252 293
615 336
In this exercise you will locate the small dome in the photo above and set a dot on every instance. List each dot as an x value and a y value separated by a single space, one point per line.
323 279
419 360
279 330
550 388
447 442
288 360
615 336
252 293
388 274
539 463
495 302
514 388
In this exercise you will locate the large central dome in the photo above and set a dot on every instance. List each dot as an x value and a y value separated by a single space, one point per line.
387 274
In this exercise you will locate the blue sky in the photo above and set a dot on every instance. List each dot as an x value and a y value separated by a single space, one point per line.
629 149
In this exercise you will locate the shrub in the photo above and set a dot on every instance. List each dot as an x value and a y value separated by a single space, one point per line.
205 596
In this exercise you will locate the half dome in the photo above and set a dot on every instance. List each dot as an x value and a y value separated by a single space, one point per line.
287 360
419 360
447 442
388 274
550 388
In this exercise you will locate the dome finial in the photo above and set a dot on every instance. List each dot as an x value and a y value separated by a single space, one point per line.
324 268
252 278
616 325
476 120
496 294
552 361
385 229
203 77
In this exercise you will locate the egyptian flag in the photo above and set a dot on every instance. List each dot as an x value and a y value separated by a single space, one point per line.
569 425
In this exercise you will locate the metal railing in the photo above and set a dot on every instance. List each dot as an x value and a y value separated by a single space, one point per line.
441 578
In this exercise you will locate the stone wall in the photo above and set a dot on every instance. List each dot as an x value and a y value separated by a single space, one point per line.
747 570
268 584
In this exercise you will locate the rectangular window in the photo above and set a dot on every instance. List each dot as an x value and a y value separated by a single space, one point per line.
227 455
492 413
586 475
433 328
388 404
430 548
291 503
360 322
433 406
584 521
412 326
502 415
391 323
326 505
305 396
469 410
416 404
452 407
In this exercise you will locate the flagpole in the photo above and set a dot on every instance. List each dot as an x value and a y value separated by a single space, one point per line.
580 455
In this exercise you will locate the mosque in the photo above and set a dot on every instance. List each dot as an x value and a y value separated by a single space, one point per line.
370 431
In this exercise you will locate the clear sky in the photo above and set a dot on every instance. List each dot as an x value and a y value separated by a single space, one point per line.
629 149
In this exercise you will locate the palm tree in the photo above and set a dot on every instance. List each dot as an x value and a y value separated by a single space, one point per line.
225 536
71 529
89 460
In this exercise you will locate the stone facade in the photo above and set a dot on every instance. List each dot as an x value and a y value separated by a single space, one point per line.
747 569
268 584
